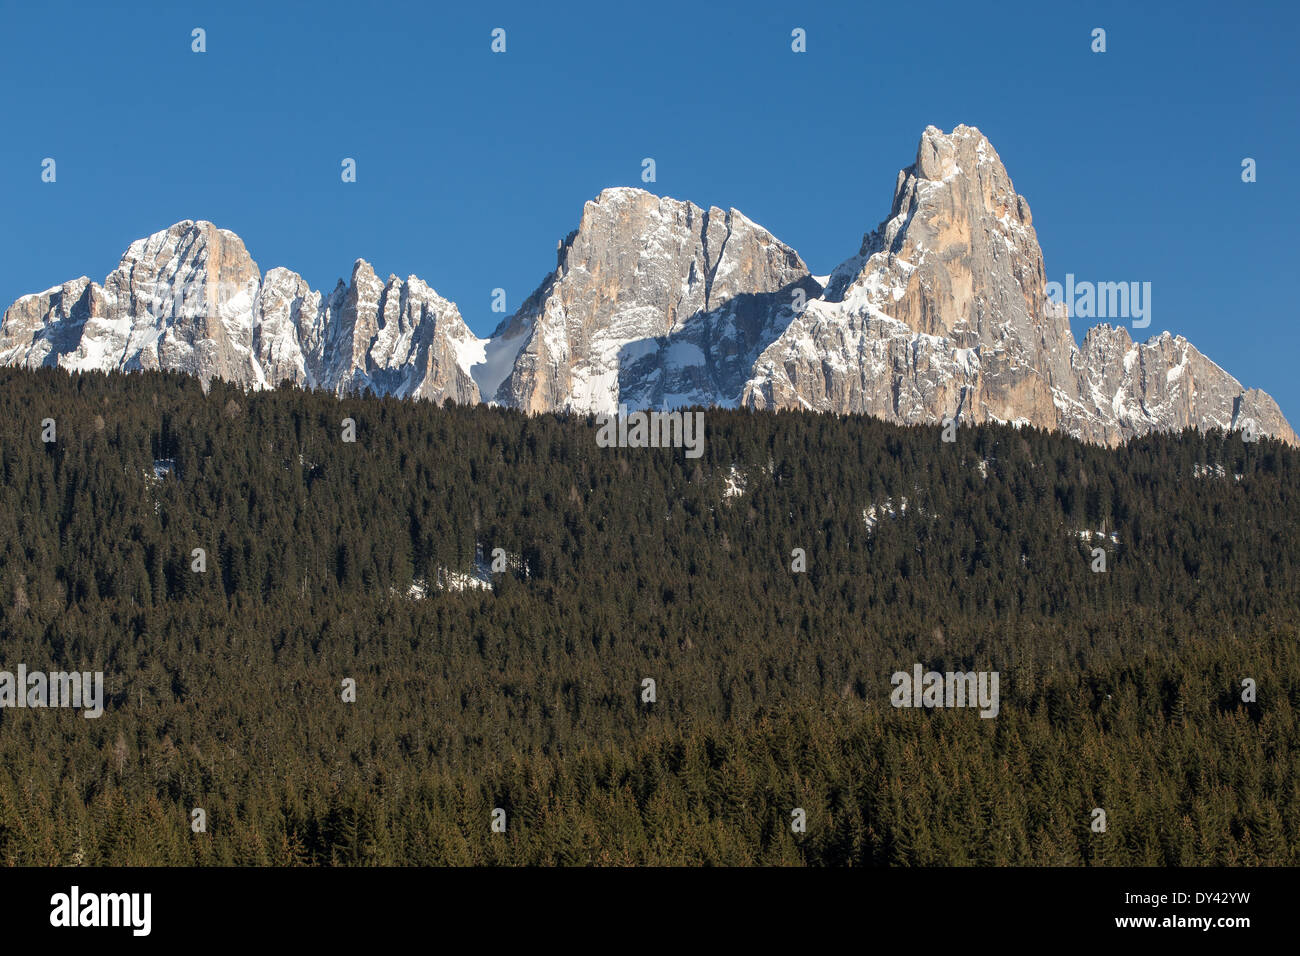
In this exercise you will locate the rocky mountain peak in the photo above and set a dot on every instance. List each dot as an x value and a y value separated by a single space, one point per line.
660 303
944 312
640 292
190 298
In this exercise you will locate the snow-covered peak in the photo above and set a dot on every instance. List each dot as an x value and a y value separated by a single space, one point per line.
657 302
190 298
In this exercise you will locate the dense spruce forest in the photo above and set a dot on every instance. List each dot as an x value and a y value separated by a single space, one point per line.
329 560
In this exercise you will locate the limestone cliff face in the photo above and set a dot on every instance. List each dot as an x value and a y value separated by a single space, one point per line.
944 312
659 303
191 299
398 338
653 302
178 300
50 322
1127 389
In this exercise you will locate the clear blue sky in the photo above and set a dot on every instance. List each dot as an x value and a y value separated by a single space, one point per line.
471 166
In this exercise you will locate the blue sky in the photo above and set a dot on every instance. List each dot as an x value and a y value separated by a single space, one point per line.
472 165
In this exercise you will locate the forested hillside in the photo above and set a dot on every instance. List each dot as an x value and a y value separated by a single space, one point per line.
329 560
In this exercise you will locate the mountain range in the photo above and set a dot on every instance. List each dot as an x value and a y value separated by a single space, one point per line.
658 303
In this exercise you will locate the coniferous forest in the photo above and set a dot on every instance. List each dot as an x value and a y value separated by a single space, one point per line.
327 562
